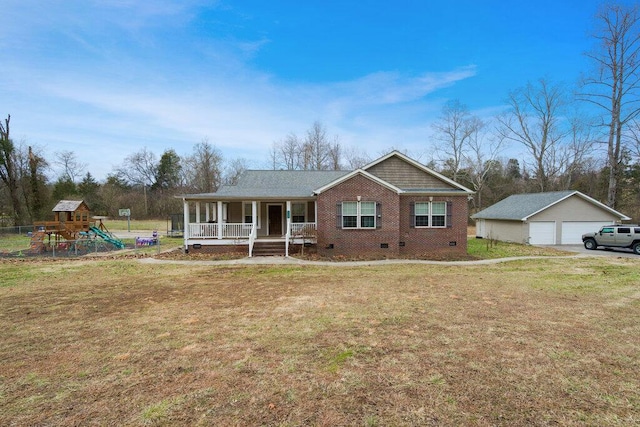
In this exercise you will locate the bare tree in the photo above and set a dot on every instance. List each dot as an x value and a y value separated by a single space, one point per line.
140 168
233 171
614 86
290 152
335 155
453 130
634 133
204 168
355 159
480 158
9 171
576 151
72 168
286 153
316 148
314 152
534 120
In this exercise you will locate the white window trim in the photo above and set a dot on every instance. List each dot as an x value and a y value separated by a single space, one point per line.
359 215
430 215
244 204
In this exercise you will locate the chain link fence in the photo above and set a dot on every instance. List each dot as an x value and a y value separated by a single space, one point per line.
18 242
16 230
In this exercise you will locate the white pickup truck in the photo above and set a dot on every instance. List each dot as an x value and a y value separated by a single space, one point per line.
614 236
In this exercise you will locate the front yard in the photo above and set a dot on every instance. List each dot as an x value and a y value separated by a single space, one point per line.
532 342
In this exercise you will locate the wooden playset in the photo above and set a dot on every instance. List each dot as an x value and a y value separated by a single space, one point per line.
72 223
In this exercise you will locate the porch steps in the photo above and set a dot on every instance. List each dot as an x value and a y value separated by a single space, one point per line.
268 248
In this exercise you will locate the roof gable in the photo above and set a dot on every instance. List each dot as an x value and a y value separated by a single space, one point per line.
520 207
411 176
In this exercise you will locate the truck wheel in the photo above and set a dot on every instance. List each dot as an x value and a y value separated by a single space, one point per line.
636 248
590 244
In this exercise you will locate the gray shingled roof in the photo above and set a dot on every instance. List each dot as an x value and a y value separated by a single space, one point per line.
276 184
67 206
518 207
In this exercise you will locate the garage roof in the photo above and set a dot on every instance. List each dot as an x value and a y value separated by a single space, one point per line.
520 207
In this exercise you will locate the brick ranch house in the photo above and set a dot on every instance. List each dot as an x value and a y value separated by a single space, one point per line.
392 207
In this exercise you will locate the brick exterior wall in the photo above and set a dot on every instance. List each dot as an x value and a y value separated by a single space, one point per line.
358 242
396 224
434 242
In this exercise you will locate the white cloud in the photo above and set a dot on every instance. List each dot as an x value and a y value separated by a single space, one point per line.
114 103
376 112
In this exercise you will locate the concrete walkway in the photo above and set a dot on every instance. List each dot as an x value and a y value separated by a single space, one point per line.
280 260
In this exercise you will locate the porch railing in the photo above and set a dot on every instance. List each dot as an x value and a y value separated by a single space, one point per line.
307 229
207 230
210 230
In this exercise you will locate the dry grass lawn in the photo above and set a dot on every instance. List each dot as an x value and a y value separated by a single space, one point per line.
536 342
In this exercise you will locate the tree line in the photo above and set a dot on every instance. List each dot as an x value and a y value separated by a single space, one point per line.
584 138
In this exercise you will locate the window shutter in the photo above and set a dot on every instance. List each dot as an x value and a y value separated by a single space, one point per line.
378 215
412 212
339 215
449 212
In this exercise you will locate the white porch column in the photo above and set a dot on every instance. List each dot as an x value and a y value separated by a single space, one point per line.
254 214
315 212
207 213
197 212
219 219
186 222
288 232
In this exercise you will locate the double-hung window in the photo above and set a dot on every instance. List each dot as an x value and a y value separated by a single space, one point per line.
430 214
438 214
358 214
422 214
298 212
247 212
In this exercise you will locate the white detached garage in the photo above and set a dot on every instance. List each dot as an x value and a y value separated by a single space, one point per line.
552 218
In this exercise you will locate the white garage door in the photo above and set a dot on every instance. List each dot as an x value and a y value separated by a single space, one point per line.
542 233
572 231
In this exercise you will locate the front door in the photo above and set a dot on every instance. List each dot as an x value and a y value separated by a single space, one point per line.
275 220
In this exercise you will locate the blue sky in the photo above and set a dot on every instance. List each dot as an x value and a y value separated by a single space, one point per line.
105 78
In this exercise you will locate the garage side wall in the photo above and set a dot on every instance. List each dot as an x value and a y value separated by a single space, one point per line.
506 231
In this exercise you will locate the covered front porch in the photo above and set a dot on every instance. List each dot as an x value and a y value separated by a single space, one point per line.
210 223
